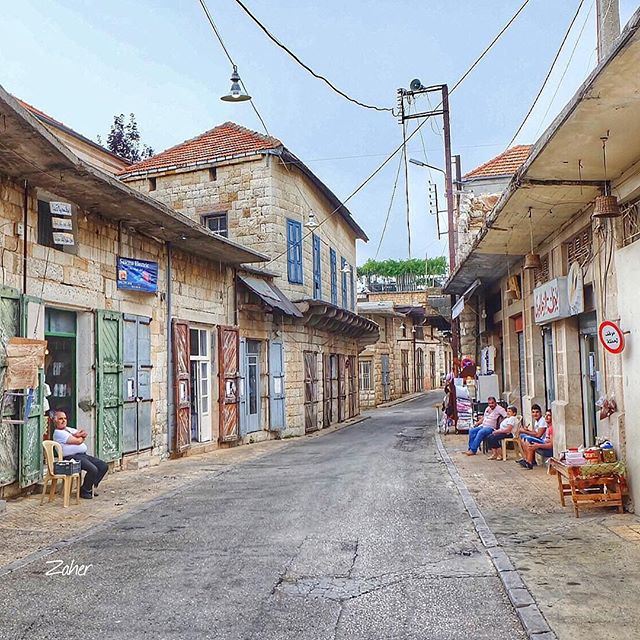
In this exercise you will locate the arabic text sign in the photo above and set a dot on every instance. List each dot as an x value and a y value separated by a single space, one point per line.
611 337
60 208
550 301
137 275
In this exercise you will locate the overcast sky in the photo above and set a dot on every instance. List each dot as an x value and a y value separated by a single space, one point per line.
82 61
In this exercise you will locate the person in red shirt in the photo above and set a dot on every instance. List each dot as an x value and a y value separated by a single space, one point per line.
545 447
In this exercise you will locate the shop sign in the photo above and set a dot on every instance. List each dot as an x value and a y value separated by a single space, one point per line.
60 209
457 308
611 337
65 224
551 301
63 238
137 275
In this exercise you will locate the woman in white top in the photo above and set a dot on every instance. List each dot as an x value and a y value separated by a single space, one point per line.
507 426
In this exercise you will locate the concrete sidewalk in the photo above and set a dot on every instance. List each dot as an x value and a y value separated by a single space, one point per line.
583 573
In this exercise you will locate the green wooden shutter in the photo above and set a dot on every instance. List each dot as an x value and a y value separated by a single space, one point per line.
109 368
30 471
9 328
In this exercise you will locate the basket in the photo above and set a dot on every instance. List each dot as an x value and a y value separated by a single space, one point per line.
66 467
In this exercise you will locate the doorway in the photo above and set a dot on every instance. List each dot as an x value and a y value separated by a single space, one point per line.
251 375
589 376
200 376
136 428
549 369
60 362
310 391
384 365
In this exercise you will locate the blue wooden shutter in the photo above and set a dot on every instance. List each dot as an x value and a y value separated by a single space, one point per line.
343 264
353 289
334 276
317 272
294 251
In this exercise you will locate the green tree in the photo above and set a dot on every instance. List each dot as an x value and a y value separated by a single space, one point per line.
124 139
391 268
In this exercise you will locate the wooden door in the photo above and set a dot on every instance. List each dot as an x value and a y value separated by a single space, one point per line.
326 370
228 348
181 385
276 386
310 391
109 368
342 388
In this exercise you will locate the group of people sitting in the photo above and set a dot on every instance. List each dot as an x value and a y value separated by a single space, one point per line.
496 424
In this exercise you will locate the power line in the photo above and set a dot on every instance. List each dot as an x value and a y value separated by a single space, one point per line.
406 184
215 30
566 68
386 220
384 163
305 66
551 68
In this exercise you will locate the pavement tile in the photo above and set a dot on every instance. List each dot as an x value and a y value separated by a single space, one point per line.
532 619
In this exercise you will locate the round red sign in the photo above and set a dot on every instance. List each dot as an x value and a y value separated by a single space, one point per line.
611 337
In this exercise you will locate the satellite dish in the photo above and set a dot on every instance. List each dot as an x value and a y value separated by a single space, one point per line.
416 85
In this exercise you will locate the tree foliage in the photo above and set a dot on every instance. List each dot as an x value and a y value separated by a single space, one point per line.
414 266
124 139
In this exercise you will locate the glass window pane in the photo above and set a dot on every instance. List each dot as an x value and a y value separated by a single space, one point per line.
204 350
193 337
59 321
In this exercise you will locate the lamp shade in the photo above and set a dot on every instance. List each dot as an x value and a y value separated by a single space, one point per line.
532 261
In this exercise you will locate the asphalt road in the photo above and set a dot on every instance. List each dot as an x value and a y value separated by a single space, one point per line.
356 534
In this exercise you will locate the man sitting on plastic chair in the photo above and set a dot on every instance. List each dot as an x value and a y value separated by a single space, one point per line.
73 446
489 422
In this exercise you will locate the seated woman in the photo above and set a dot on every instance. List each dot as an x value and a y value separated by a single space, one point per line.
494 441
544 445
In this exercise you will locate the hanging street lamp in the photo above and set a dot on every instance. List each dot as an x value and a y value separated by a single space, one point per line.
236 93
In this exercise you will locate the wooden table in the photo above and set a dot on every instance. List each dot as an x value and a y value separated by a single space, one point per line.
604 490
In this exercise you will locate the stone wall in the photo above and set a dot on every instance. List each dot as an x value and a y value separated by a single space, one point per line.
85 280
259 194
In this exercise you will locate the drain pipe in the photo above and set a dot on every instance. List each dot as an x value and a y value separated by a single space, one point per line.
170 394
25 219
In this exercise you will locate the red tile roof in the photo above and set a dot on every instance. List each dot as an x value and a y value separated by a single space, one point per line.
223 141
506 164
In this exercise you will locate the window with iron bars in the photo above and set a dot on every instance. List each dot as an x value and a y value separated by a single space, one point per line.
580 247
542 274
630 223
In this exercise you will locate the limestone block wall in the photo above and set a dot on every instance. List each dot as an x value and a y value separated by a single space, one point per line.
259 194
85 281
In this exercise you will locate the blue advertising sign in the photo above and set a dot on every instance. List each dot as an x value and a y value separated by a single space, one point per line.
137 275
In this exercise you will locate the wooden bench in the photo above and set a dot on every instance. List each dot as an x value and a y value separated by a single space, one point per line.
594 491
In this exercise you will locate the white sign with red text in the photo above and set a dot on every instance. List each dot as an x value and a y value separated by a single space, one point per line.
611 337
551 301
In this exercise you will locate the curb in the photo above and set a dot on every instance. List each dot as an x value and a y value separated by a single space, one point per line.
533 621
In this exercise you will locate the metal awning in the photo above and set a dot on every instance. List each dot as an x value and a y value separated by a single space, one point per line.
381 308
329 317
564 172
29 151
270 295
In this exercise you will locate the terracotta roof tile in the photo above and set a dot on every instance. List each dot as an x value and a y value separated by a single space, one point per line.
506 164
228 139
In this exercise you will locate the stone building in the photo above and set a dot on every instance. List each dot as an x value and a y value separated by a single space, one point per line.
413 353
546 323
102 275
295 336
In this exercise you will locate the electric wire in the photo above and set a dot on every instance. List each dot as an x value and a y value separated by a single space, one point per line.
305 66
406 185
386 220
551 68
384 163
393 153
566 68
207 13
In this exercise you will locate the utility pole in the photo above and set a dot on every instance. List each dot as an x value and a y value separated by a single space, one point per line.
417 89
608 25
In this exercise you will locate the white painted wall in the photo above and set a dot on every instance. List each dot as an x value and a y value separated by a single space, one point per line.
627 261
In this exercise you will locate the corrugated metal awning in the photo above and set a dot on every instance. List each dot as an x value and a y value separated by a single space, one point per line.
270 295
